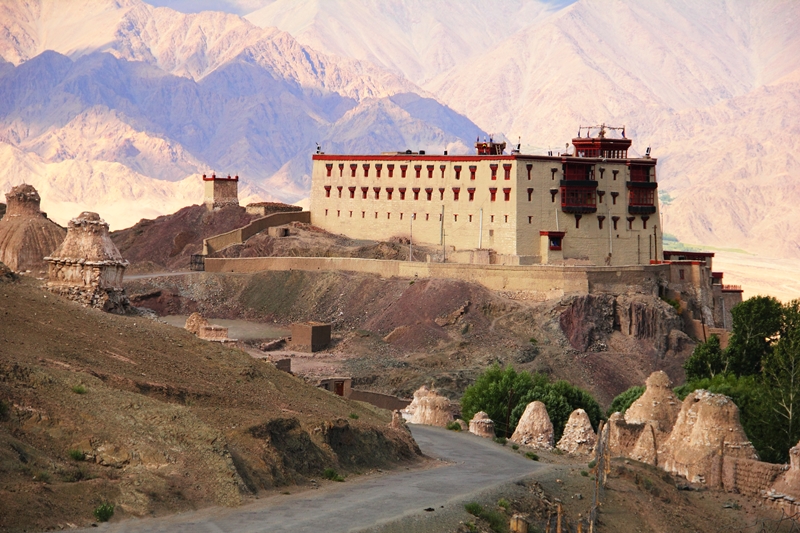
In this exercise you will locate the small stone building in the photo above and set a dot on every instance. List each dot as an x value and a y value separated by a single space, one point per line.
88 267
340 386
310 336
26 234
221 191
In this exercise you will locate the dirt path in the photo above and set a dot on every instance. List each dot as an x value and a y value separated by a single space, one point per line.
472 465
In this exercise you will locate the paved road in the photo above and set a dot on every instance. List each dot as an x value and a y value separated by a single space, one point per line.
479 464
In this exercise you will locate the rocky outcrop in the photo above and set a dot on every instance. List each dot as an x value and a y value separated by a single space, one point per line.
589 320
26 234
87 267
6 274
578 437
430 408
481 425
707 427
535 428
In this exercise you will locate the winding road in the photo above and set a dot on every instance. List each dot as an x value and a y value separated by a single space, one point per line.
472 465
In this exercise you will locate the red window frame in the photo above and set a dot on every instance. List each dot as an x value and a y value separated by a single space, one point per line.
329 167
641 197
429 193
390 168
415 190
352 192
471 192
578 197
442 168
418 170
507 194
430 171
327 191
493 192
377 191
402 191
472 169
493 168
365 166
456 192
378 168
506 171
457 169
364 191
353 168
403 169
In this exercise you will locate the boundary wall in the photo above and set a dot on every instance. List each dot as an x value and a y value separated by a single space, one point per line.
537 282
384 401
240 235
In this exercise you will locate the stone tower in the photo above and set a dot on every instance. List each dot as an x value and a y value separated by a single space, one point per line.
221 192
26 234
88 267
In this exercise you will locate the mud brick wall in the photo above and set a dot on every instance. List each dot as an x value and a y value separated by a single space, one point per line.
213 333
384 401
622 437
749 477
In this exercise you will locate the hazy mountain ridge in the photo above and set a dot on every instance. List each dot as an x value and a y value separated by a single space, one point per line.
174 95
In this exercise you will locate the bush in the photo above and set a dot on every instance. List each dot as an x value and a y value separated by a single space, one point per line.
496 521
104 512
584 473
77 455
515 447
502 502
79 389
592 463
473 508
43 476
500 440
331 474
532 456
354 416
624 400
454 426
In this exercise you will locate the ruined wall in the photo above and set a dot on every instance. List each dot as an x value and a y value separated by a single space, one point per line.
384 401
747 476
26 234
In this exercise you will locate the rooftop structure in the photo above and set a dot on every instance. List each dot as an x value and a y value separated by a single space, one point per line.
221 191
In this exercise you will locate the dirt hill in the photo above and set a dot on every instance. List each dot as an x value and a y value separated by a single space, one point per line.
97 408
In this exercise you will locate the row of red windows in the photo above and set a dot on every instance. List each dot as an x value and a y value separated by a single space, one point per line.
416 190
614 220
588 197
427 216
418 170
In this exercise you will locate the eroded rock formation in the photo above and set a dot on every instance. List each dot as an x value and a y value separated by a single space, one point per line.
87 267
658 405
578 437
26 234
707 428
535 428
482 425
430 408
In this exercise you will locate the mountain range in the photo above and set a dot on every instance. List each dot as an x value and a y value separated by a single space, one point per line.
118 103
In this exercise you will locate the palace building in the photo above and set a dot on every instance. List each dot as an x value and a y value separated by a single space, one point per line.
594 205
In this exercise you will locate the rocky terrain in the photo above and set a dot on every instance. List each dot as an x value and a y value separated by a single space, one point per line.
97 407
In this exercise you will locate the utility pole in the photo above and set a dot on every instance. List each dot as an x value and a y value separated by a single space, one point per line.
480 232
411 237
441 231
508 412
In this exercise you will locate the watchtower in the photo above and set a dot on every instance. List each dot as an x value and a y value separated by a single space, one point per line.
220 191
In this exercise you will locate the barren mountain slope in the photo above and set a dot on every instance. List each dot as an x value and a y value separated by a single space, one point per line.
165 421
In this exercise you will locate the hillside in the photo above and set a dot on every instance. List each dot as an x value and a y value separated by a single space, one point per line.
164 421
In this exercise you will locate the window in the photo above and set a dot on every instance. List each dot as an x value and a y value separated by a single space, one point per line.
442 168
630 222
426 216
353 168
505 219
430 171
327 191
578 172
456 192
640 173
577 197
493 192
377 191
491 218
493 167
363 214
553 173
578 221
600 220
507 194
471 192
529 166
506 171
376 214
341 169
364 192
530 219
472 169
326 212
441 193
644 222
402 191
530 193
614 197
401 216
416 193
470 218
600 195
329 167
403 169
457 169
681 274
339 187
601 169
365 166
491 233
429 193
351 214
352 192
389 191
555 242
553 193
390 168
615 220
615 172
378 168
388 216
455 218
338 212
637 196
418 169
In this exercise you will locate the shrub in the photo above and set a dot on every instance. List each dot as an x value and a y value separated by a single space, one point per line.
454 426
592 463
515 447
354 416
43 476
331 474
532 456
79 389
500 440
496 521
502 502
104 512
584 473
77 455
473 508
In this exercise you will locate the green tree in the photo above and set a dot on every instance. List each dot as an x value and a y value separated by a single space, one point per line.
781 375
707 360
757 322
560 399
625 400
493 392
